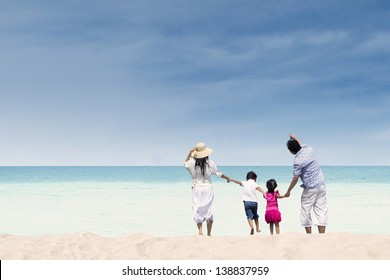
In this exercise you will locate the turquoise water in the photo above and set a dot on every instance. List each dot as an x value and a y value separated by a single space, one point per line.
117 201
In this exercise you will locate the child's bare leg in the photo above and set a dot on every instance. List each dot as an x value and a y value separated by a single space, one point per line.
209 227
271 228
277 228
250 222
257 225
200 229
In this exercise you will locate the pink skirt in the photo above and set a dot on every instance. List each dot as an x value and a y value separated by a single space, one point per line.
273 216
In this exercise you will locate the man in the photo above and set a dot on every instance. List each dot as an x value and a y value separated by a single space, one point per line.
314 191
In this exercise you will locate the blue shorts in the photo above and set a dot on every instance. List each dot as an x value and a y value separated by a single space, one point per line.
251 210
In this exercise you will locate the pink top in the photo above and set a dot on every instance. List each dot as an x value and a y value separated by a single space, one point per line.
272 200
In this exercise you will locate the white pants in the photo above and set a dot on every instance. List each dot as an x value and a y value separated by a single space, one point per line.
314 199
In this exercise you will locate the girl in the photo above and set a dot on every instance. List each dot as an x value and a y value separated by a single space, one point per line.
272 213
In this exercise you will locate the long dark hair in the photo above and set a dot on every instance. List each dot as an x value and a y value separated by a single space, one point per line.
202 163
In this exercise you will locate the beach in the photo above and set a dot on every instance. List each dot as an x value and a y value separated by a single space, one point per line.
94 213
110 201
142 246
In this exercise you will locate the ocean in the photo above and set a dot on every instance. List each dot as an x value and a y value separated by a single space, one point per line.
118 201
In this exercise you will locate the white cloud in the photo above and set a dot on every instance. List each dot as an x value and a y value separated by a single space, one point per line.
326 37
377 42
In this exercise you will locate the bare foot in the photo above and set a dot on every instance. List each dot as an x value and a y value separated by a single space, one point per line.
252 231
258 230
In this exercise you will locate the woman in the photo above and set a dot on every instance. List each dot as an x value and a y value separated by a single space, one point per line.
201 168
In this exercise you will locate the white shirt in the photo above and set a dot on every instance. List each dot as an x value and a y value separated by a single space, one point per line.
197 177
249 190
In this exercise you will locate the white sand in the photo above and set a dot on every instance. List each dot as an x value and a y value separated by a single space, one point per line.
298 246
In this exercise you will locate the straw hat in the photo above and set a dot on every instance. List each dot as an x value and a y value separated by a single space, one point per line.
201 151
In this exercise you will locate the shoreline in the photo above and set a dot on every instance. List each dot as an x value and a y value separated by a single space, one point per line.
143 246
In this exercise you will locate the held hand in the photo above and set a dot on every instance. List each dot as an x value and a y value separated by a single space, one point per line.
228 179
287 194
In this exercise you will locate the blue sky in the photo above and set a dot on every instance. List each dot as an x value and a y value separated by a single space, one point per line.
140 82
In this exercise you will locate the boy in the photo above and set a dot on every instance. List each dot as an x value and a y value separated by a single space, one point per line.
250 199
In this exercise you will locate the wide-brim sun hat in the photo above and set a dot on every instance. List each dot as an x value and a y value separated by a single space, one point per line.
201 151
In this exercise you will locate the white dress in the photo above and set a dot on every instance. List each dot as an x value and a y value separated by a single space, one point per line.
202 190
